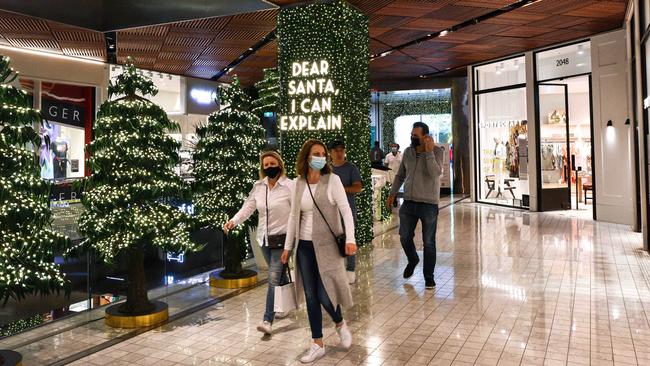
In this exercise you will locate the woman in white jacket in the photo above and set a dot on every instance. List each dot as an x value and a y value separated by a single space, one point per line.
318 203
271 197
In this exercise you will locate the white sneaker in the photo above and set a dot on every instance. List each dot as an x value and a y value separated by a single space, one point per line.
265 327
281 315
345 335
314 353
352 277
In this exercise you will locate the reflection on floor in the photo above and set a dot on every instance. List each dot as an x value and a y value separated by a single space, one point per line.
514 288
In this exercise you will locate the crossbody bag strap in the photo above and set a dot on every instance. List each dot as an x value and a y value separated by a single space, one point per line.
321 212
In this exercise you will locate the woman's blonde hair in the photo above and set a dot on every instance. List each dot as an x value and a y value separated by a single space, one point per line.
302 163
276 156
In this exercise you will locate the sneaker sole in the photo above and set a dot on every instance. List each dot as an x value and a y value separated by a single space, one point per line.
262 330
314 360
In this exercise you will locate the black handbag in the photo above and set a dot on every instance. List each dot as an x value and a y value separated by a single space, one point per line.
273 241
339 239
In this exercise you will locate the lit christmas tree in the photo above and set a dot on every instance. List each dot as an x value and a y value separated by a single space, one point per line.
269 93
131 160
226 164
28 243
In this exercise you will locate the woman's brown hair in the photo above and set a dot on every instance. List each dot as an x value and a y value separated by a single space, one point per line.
302 163
275 155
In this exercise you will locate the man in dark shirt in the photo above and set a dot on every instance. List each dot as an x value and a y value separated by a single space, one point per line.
351 179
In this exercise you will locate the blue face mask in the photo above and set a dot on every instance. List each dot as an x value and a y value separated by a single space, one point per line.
317 162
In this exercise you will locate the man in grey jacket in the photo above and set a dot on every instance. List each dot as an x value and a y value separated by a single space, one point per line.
420 173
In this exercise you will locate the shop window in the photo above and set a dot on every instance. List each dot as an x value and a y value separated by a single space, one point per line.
565 141
500 74
501 133
565 61
503 147
68 113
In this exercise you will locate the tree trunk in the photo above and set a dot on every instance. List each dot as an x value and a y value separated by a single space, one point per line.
233 267
137 300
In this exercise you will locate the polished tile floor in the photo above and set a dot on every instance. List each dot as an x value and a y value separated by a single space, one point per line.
514 288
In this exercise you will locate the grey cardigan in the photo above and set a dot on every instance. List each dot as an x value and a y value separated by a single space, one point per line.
420 176
331 266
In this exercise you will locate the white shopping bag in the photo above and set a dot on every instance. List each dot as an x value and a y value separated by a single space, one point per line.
284 299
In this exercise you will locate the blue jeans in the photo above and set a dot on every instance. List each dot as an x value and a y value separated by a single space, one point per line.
277 276
315 293
409 214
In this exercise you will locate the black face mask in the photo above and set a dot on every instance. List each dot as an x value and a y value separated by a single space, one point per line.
272 171
415 142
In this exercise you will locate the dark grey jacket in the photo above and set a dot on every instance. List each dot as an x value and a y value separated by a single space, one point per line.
420 176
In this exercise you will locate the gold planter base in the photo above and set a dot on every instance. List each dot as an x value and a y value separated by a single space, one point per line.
248 280
10 358
115 319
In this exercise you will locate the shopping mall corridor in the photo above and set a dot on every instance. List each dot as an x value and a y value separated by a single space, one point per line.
514 288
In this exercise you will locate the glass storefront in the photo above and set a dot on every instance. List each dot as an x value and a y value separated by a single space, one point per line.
69 113
564 114
501 133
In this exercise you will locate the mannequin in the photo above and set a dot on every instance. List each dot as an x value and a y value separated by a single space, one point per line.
500 156
59 148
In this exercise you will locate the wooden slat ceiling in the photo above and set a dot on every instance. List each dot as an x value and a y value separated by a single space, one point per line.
200 48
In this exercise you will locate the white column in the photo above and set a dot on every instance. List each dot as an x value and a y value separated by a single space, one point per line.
613 152
533 139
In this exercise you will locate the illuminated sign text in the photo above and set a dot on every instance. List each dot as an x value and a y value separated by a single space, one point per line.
310 93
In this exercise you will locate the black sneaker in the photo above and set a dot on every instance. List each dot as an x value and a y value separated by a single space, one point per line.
408 271
429 284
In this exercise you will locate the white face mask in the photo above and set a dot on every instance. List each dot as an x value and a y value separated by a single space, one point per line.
394 150
317 162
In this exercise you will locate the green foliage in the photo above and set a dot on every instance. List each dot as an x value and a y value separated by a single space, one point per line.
27 243
226 161
268 89
338 33
386 212
396 109
132 158
18 326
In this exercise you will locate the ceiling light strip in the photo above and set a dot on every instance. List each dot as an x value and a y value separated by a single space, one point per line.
457 27
249 52
53 55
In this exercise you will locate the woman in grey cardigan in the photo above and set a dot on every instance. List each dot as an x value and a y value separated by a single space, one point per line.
321 268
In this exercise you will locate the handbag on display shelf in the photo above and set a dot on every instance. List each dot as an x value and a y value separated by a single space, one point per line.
284 298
